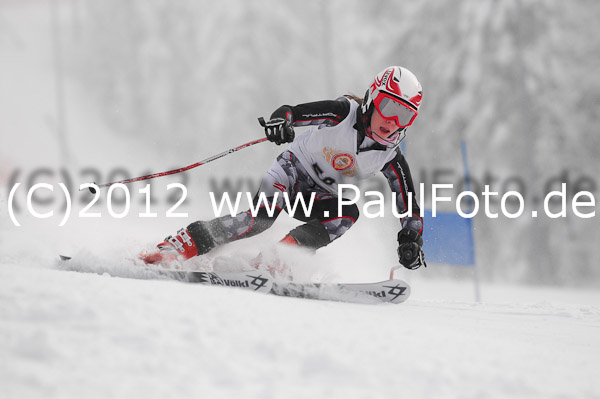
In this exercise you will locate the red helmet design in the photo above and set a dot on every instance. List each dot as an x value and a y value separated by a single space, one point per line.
396 94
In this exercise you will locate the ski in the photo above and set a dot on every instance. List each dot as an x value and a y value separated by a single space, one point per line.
391 291
388 291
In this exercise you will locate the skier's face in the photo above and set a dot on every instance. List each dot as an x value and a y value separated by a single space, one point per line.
382 127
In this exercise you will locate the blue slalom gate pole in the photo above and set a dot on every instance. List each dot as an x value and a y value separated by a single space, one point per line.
463 147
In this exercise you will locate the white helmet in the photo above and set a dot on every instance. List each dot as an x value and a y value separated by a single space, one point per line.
396 94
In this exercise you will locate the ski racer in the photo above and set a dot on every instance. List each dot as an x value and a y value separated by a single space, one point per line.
348 139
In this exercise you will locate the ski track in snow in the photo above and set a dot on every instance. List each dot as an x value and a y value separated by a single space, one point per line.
66 334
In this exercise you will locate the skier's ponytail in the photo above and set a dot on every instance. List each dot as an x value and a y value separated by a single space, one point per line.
354 97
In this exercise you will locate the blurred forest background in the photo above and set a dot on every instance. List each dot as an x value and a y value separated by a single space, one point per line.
517 80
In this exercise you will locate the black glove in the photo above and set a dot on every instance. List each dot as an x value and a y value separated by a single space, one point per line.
410 253
279 131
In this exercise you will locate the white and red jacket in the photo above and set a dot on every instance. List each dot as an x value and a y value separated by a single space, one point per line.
336 150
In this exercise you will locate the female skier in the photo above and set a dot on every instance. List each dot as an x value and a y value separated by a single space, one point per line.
349 139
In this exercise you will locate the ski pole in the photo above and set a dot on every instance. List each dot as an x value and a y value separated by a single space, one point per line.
174 171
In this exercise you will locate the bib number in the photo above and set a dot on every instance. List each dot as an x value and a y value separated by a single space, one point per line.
319 172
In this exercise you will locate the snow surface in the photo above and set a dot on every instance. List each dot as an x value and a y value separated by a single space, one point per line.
110 331
66 334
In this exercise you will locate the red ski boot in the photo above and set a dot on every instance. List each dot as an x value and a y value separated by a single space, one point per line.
172 250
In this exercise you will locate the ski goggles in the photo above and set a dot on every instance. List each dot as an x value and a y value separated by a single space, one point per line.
391 108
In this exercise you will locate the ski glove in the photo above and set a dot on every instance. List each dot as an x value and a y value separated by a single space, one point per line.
279 131
410 253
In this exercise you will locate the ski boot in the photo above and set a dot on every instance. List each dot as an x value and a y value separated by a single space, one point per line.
174 250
